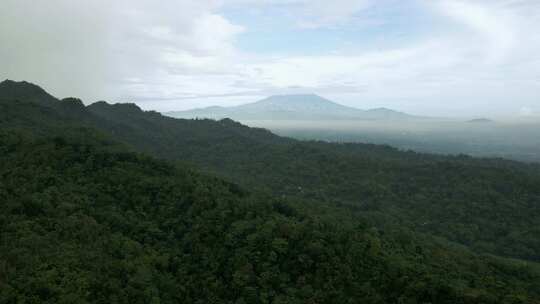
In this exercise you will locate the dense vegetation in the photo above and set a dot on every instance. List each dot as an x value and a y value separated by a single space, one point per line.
83 219
85 222
490 205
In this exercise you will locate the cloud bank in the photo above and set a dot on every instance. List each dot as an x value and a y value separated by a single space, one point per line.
447 57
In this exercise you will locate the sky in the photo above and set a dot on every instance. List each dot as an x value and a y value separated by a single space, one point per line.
427 57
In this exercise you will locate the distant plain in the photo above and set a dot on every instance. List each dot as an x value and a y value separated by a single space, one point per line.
517 140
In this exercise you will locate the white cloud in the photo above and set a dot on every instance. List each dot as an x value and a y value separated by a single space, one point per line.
87 48
526 111
485 59
484 55
322 13
489 24
313 13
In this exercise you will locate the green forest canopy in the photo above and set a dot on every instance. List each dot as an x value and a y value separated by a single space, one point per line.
84 219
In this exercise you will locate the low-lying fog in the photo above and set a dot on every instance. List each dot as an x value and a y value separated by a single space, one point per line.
519 140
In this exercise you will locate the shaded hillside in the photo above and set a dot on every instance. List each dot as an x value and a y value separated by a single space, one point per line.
83 221
24 91
490 205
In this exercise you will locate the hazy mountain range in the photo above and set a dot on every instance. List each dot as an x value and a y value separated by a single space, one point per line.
480 120
292 107
193 201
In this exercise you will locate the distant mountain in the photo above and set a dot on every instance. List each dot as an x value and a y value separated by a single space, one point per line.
480 120
408 197
292 107
83 217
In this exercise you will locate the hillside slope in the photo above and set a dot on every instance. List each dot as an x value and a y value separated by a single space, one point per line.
489 205
84 221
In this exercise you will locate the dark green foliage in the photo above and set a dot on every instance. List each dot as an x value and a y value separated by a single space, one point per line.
80 223
491 205
82 219
24 91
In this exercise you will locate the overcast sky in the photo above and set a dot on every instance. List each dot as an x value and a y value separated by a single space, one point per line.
429 57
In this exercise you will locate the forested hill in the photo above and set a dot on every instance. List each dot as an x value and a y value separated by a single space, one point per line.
84 221
489 205
25 91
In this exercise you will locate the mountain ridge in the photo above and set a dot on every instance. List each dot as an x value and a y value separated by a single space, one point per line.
292 107
23 90
299 214
368 177
480 120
